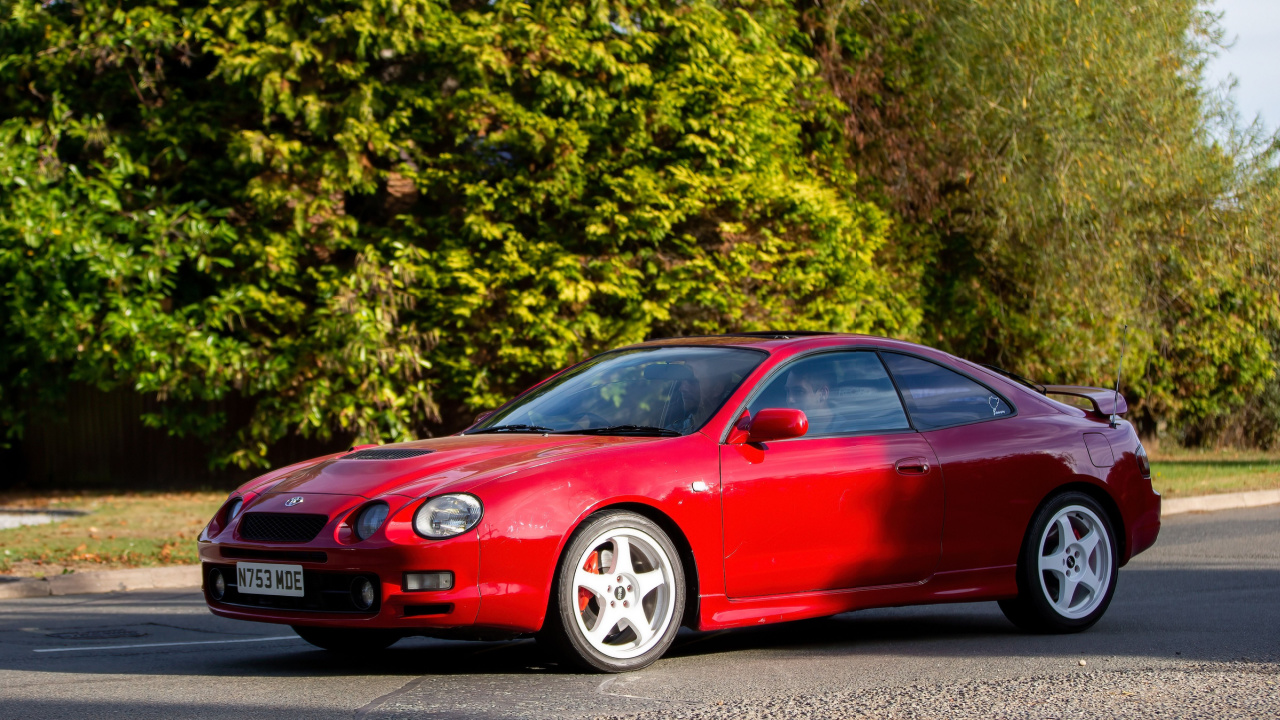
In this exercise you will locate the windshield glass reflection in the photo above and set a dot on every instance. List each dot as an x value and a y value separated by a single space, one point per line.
643 391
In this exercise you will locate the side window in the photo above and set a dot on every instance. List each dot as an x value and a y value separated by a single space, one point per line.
937 397
840 393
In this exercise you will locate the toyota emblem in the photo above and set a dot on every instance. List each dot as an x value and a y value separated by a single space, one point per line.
293 501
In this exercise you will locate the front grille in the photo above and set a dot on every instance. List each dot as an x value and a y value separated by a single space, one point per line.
281 527
235 553
386 454
324 592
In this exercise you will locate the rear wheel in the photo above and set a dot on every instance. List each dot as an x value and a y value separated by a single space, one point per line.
619 595
1068 568
347 639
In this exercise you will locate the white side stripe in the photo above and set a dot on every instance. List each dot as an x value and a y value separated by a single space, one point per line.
172 644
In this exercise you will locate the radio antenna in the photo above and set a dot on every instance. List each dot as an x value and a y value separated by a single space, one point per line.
1115 402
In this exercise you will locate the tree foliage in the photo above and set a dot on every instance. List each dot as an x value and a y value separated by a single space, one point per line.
375 216
1059 169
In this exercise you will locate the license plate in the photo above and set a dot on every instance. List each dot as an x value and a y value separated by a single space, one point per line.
269 579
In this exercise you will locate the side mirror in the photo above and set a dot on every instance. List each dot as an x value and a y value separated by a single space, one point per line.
770 424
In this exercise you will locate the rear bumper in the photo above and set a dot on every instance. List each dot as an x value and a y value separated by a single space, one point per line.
396 608
1145 527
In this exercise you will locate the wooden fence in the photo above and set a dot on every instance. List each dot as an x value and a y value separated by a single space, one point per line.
97 440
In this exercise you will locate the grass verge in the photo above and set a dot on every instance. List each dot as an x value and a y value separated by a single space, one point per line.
121 530
1186 473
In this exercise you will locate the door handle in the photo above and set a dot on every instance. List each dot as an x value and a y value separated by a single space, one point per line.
912 466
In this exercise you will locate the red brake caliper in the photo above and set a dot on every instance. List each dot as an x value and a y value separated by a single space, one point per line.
592 566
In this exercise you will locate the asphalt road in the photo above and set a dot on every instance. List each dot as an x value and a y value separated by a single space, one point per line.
1194 631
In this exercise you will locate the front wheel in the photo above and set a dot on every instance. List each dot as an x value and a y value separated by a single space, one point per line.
1068 568
619 595
347 639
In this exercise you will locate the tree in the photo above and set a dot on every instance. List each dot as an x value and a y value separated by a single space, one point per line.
1060 169
354 214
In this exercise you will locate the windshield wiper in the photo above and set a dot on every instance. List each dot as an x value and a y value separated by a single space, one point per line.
517 428
623 430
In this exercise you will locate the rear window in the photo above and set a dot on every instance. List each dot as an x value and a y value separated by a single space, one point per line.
938 397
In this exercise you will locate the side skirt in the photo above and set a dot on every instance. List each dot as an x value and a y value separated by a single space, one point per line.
719 612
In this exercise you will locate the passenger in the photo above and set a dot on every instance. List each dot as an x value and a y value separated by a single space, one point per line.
686 399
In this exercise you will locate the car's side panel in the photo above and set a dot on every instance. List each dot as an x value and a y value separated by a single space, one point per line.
997 473
1123 483
830 513
531 516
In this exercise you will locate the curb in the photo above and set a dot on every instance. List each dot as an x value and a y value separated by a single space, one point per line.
102 581
1221 501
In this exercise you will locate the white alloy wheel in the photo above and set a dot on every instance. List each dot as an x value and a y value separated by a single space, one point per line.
1075 562
1067 568
624 590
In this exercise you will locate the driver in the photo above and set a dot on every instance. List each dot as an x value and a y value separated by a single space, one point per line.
809 389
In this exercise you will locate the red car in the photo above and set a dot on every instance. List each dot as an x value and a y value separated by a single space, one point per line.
711 482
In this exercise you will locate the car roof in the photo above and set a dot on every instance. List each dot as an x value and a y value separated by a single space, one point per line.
795 343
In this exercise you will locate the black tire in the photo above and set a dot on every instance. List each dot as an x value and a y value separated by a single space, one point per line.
1039 606
347 639
561 632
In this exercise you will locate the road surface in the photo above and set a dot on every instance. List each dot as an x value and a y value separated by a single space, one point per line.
1194 630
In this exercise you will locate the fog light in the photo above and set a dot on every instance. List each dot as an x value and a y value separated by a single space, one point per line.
428 581
217 584
362 593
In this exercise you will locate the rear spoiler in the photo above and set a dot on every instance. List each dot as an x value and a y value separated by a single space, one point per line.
1105 402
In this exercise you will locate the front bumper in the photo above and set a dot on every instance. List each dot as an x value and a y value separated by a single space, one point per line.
327 603
333 559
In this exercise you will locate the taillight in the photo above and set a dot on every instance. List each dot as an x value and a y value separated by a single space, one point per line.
1144 462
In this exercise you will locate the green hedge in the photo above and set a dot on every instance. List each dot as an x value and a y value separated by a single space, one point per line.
373 217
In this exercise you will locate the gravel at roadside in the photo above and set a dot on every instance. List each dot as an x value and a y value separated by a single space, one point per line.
1217 690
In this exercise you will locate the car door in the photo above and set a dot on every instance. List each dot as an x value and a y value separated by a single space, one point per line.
855 502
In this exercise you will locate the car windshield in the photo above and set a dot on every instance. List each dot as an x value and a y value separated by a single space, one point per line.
643 391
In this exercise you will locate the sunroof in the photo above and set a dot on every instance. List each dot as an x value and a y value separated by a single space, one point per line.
783 333
759 334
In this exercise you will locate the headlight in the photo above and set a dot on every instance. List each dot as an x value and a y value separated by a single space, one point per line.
447 515
233 508
370 519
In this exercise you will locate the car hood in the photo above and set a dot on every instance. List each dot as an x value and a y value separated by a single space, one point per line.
451 461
